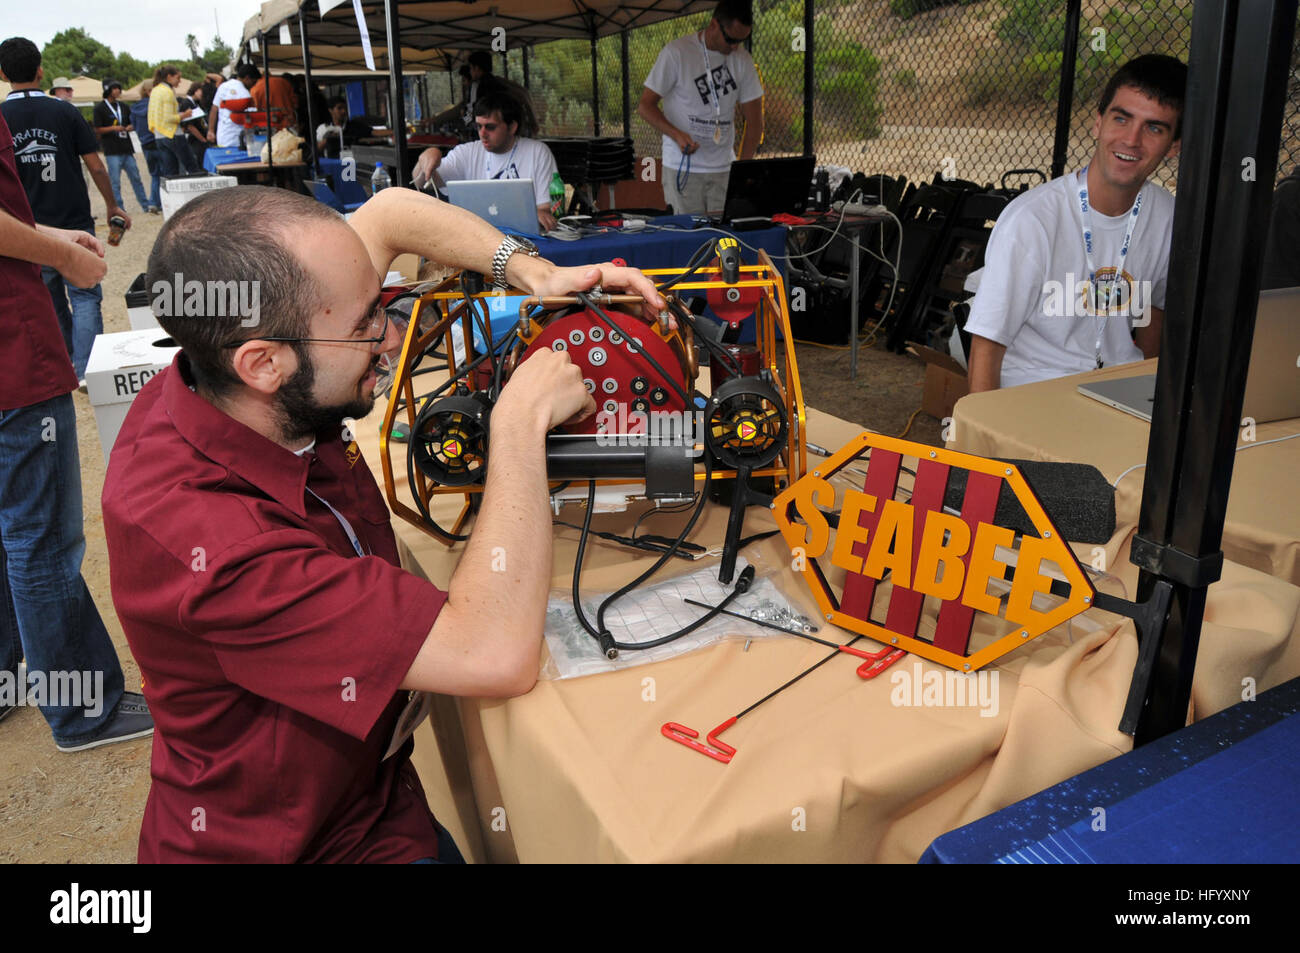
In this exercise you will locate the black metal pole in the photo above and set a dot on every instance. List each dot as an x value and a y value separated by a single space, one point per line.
505 64
306 76
808 77
595 88
266 85
1232 121
524 55
1065 100
627 102
396 104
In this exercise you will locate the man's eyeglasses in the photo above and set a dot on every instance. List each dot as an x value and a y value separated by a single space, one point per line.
376 329
729 40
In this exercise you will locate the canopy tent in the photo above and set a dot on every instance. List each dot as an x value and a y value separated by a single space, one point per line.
86 91
434 34
428 28
134 93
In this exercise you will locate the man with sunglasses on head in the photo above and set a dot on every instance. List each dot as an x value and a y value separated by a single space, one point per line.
498 153
254 569
700 79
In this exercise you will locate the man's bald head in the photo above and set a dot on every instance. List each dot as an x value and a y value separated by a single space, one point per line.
224 269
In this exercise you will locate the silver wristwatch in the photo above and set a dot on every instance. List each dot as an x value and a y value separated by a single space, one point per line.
509 245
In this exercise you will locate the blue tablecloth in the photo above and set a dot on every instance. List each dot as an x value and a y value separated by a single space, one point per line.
1220 791
215 156
667 242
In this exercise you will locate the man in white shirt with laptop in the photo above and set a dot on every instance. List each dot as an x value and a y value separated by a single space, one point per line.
499 153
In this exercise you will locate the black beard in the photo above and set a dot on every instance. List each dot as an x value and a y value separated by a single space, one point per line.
297 413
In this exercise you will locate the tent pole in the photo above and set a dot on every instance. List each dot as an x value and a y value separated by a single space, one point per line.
1064 102
396 103
524 53
595 89
311 113
808 78
1236 91
627 109
266 85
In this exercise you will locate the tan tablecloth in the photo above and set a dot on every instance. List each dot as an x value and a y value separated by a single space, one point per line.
831 770
1053 421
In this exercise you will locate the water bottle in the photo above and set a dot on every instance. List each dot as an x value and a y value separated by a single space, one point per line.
557 195
379 179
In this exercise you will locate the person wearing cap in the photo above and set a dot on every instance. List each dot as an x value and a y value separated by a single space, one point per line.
61 88
112 121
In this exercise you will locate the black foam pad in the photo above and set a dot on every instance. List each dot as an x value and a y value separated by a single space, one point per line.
1075 496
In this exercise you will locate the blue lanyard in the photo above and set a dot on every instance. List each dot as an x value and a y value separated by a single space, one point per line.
1085 211
343 521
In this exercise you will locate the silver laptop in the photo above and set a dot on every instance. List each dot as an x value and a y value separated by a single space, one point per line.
507 203
1272 381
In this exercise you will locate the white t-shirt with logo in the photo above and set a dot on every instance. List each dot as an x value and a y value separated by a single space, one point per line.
700 90
1033 292
227 132
529 159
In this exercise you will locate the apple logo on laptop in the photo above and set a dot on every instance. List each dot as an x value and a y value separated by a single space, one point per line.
492 209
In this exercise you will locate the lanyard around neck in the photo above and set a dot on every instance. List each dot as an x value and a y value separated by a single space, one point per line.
708 72
343 521
1085 211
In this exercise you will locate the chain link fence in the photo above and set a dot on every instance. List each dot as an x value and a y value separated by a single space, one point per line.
965 89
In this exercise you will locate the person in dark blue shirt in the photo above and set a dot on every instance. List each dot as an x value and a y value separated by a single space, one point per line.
140 119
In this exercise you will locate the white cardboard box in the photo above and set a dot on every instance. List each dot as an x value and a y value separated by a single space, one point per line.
120 365
138 312
178 189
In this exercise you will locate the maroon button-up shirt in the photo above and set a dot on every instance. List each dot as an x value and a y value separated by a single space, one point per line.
34 364
271 652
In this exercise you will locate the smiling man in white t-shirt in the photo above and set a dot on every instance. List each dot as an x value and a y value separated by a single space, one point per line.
1049 303
700 79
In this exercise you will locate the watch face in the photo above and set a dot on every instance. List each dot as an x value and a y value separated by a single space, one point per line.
528 247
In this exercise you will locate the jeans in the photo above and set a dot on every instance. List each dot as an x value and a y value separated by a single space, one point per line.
182 159
115 166
47 615
152 160
79 323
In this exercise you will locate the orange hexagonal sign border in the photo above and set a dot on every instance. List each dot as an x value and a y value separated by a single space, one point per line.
1057 549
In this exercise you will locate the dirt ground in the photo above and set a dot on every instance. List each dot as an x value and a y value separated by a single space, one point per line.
86 808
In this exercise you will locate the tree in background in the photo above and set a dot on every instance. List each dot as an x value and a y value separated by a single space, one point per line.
215 58
74 52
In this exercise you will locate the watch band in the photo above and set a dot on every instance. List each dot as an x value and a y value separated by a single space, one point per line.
509 245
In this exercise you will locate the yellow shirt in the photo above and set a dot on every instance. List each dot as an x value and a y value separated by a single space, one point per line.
164 117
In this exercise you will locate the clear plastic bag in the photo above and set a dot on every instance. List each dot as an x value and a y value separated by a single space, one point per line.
656 610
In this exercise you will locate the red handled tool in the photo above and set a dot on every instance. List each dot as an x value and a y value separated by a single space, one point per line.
721 751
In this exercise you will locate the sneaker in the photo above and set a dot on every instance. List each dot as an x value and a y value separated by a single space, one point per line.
130 720
81 385
154 210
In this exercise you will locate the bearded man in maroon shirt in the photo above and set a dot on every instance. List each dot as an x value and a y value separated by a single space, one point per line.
253 566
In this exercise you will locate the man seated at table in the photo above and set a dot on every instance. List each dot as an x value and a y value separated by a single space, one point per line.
499 153
1049 302
254 569
338 129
